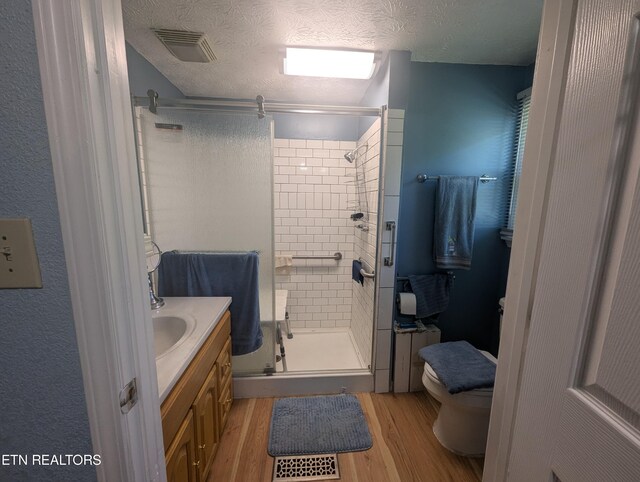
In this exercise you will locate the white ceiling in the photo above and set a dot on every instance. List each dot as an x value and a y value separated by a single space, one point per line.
246 37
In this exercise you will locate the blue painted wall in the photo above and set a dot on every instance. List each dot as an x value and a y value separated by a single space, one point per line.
399 78
389 87
460 120
377 94
308 126
41 389
144 76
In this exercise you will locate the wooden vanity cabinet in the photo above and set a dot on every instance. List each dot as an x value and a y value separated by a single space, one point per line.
196 410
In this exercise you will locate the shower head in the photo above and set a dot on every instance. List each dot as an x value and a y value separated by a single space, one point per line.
352 154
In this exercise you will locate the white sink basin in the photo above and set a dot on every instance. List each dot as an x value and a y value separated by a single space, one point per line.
169 332
180 328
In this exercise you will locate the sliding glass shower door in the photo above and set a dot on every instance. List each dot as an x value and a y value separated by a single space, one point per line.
208 186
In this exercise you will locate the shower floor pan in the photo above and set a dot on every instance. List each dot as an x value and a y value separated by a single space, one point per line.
321 349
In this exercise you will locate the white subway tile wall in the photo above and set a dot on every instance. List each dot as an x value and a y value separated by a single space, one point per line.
362 310
394 135
313 191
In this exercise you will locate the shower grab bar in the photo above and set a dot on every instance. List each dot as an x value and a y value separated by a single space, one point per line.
391 226
336 257
372 272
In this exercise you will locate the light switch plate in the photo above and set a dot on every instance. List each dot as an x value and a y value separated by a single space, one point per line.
19 267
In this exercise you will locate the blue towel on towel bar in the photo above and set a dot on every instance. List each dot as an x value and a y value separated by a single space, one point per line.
219 274
459 366
356 275
432 293
454 222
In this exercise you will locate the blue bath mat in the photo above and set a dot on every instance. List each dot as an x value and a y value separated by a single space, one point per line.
318 425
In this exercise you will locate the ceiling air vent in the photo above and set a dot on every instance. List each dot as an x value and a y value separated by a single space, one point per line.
186 46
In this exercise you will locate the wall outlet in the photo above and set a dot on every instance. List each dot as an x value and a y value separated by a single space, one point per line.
19 267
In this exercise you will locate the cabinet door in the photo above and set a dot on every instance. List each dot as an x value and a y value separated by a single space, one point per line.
181 455
206 414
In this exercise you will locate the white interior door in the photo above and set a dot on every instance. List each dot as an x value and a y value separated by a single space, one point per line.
578 413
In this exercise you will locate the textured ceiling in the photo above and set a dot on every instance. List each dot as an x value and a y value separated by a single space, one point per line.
246 37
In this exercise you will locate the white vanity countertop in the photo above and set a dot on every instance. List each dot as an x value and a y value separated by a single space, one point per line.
207 312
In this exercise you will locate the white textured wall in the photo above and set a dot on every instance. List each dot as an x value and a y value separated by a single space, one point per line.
313 189
365 242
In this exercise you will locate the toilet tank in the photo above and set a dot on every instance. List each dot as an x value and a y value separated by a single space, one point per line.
501 311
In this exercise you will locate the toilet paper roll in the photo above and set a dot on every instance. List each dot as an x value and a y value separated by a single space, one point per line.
407 303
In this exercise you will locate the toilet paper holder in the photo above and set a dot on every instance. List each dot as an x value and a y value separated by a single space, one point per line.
406 303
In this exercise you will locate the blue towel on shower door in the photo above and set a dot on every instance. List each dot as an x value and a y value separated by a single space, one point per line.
219 274
454 222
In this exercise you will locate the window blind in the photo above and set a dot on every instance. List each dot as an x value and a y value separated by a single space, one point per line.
522 123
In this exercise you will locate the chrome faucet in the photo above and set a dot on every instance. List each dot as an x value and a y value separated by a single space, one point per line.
156 302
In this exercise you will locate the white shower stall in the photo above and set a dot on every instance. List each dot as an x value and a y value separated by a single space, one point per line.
316 192
220 181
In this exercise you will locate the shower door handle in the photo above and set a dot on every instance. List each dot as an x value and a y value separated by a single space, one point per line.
391 226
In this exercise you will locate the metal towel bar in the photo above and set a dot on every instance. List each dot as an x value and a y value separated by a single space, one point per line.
483 179
406 278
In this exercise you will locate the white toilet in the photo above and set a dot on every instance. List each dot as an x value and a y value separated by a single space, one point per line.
463 420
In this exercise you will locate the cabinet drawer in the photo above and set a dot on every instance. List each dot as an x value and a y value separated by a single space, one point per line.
224 363
224 404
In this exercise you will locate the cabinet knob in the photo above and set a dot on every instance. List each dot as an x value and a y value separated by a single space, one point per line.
202 446
227 365
197 464
228 400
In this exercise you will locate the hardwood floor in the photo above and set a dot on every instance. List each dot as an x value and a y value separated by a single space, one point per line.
404 447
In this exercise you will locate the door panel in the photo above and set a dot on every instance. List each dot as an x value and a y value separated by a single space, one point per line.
577 416
593 445
622 330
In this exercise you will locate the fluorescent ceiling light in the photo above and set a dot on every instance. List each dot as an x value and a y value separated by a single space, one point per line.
344 64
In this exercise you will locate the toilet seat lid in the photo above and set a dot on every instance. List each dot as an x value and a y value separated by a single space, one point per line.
484 391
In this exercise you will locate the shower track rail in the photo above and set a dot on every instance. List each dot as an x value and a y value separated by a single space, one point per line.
335 256
261 107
